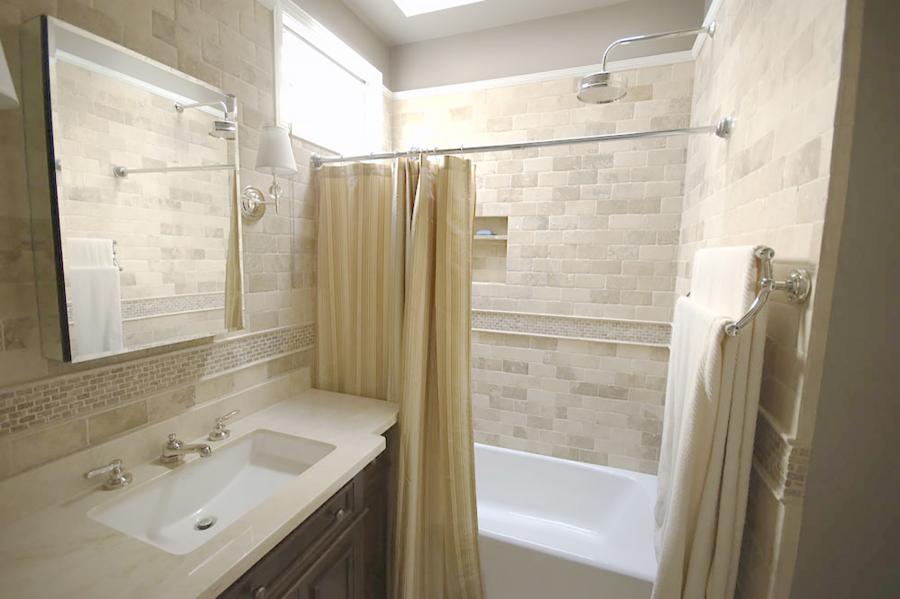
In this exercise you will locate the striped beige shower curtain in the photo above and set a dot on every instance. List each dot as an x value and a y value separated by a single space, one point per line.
394 307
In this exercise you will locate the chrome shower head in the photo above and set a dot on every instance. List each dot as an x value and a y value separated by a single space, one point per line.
601 88
224 130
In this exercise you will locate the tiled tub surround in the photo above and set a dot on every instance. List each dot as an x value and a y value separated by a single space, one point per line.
571 311
169 228
593 228
592 401
47 420
89 560
628 331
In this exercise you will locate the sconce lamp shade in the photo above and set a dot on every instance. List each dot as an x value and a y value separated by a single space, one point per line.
275 155
8 97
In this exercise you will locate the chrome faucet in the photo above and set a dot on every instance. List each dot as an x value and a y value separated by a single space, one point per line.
173 451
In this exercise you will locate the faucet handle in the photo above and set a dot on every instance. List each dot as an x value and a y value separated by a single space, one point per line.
220 433
227 417
173 442
117 477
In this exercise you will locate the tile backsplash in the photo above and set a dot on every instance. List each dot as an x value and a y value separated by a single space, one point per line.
64 397
52 417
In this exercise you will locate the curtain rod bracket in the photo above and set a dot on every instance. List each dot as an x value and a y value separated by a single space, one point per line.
725 127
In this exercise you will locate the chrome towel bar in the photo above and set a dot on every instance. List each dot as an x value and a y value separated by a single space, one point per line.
797 286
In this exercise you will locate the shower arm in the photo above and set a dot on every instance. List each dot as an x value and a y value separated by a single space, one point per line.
710 30
228 105
220 103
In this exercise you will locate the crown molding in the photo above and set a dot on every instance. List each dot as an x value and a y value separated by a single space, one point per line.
627 64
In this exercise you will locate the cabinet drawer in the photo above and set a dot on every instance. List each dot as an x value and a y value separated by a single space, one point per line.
300 547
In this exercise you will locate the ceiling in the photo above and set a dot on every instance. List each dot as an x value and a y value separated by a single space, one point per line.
386 18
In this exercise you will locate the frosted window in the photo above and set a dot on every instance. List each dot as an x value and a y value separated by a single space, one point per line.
322 98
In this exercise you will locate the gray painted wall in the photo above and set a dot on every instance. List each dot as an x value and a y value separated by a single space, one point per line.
850 536
566 41
341 21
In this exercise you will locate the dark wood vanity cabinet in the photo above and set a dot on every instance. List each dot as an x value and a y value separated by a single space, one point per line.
340 552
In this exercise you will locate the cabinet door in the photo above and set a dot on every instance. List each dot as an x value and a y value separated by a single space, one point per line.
338 574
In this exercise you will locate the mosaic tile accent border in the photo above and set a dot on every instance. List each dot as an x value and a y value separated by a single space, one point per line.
627 331
161 306
155 306
67 396
784 463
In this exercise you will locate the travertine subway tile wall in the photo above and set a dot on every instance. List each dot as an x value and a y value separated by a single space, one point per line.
585 232
596 402
593 228
775 66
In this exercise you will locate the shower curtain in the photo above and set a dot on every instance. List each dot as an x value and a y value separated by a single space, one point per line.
357 290
394 306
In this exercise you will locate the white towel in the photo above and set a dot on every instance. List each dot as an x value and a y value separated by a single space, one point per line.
81 252
712 397
97 311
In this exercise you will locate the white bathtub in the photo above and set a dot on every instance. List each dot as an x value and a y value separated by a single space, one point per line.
552 528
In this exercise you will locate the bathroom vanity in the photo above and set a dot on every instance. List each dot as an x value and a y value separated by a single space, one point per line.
296 500
340 552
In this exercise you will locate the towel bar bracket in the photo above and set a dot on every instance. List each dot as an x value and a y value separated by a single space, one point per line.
797 287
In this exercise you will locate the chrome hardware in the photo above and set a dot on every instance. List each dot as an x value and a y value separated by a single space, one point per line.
721 129
725 127
220 433
797 286
258 593
340 515
709 30
124 171
115 251
174 450
116 479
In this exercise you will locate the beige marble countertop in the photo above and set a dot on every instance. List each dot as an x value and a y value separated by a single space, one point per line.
60 552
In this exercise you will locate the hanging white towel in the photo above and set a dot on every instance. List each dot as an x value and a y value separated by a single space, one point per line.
712 398
97 311
81 252
93 281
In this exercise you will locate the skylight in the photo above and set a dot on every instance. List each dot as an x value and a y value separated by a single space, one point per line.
412 8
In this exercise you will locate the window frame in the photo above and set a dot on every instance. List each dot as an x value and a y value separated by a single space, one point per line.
289 15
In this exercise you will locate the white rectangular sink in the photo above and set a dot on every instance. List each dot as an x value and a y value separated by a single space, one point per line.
174 512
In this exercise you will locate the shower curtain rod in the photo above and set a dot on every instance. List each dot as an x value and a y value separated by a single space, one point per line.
124 171
722 129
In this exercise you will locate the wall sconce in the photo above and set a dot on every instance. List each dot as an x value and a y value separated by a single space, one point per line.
8 97
275 157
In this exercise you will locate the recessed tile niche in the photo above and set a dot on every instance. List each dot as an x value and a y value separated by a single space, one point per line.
489 250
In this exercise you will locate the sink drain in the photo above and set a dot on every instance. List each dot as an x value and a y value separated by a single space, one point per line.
205 523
